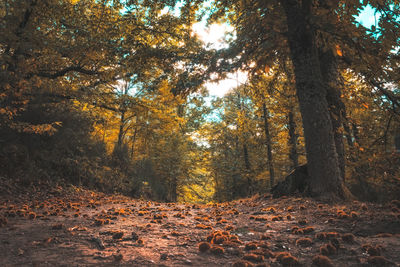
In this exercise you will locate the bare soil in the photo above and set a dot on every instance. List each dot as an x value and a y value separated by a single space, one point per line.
77 227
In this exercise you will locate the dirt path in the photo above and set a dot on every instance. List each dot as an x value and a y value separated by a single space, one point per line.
83 228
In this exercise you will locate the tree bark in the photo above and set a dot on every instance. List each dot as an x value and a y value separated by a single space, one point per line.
121 131
173 186
293 156
133 143
347 132
355 132
246 158
397 141
269 146
322 158
248 169
331 77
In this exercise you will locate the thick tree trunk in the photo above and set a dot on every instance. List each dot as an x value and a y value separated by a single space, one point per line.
331 78
323 165
269 146
293 155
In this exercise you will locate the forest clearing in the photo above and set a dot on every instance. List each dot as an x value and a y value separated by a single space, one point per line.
202 133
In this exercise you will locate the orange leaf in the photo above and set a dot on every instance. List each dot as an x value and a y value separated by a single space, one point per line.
339 51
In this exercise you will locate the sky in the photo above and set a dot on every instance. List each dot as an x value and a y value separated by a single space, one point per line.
213 36
367 17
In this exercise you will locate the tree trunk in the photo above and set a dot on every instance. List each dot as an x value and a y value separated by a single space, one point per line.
322 158
248 169
293 156
331 78
269 147
355 132
173 186
121 131
246 158
397 141
133 143
347 132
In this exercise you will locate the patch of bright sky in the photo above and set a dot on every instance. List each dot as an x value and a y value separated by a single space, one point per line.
367 17
222 87
213 35
214 38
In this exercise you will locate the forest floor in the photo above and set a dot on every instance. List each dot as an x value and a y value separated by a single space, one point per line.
76 227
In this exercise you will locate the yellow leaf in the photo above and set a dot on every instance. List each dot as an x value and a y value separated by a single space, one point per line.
365 105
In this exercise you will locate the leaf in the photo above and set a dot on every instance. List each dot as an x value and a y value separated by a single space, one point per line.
339 51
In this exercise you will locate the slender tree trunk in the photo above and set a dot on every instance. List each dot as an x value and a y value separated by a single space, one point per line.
246 158
293 156
133 143
347 133
387 130
121 131
173 190
122 110
323 166
269 146
248 169
355 133
397 141
243 140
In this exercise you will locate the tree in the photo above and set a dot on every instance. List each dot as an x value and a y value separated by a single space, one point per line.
305 31
322 156
273 88
77 54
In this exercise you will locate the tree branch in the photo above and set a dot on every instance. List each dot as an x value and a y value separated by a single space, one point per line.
64 71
